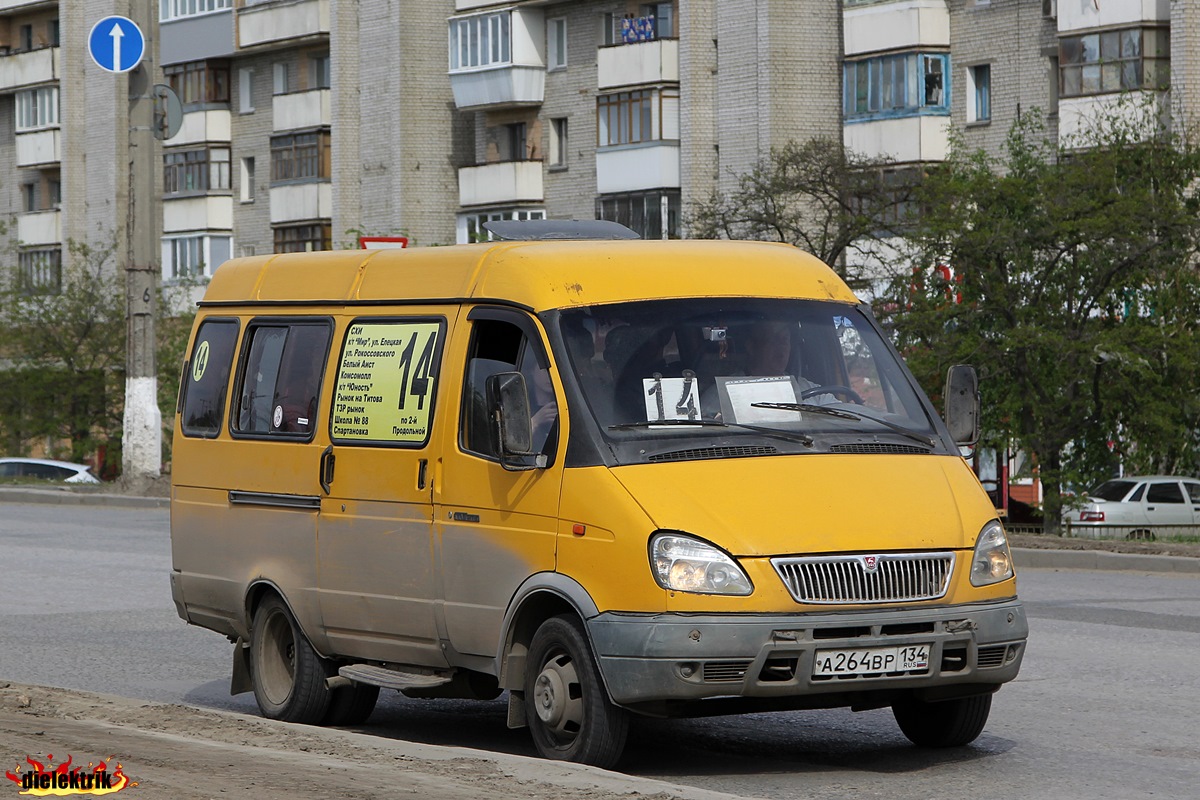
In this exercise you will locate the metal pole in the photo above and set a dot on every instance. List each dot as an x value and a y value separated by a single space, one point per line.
142 448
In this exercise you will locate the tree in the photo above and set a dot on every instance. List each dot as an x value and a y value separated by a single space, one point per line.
1076 268
816 195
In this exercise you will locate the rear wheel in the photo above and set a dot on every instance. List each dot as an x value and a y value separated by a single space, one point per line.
948 723
351 705
1140 536
568 710
288 675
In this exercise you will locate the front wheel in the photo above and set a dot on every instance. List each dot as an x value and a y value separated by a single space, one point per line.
288 675
568 710
948 723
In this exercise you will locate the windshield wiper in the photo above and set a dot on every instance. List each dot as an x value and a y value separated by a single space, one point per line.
800 438
854 415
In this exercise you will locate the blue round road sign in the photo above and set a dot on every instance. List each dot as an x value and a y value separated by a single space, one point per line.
116 44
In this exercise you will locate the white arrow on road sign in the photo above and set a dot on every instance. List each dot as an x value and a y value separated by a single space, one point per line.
116 44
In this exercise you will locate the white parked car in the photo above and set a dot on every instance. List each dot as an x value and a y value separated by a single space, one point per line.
1139 507
46 469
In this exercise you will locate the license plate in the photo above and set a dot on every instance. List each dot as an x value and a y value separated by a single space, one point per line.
871 660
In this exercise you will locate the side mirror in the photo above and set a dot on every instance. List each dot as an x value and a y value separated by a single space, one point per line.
508 410
962 404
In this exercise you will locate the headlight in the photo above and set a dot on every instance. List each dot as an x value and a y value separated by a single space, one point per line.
684 564
992 562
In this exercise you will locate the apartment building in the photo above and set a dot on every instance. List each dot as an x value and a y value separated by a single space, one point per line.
309 122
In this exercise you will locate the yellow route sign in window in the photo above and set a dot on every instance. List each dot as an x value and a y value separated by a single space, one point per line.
386 381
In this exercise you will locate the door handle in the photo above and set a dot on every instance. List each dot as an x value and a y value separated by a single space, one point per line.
325 471
422 469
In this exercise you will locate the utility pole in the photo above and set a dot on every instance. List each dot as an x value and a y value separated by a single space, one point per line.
123 45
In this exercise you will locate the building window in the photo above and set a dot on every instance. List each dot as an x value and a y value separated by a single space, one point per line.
26 37
37 108
662 17
895 85
300 156
247 180
194 256
556 43
304 238
1114 61
472 224
979 93
318 71
558 142
175 9
52 32
246 90
199 82
653 215
29 197
639 116
513 142
480 41
40 271
280 78
200 170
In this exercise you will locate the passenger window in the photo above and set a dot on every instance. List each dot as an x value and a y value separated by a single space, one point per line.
1193 490
386 382
1136 497
282 378
1164 493
498 346
207 378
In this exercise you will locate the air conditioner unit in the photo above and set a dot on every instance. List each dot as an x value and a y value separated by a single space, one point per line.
1050 9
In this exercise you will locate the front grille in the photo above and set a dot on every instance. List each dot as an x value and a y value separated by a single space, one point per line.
900 578
725 671
876 449
713 452
991 656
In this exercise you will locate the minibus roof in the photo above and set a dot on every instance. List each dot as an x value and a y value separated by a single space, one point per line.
537 275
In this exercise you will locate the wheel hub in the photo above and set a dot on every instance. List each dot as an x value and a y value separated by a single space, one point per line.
556 708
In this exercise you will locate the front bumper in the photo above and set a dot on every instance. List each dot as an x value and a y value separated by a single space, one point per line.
652 658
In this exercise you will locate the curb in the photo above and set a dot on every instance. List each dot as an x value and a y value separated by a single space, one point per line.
69 497
1102 560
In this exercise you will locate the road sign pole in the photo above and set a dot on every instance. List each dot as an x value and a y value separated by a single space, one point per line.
142 448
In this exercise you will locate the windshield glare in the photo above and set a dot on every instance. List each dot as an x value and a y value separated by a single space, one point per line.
720 359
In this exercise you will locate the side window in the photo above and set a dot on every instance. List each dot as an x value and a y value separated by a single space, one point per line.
282 378
387 381
498 346
1193 490
1164 493
207 378
1136 497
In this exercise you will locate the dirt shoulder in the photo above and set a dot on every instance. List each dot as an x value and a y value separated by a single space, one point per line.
1039 542
185 753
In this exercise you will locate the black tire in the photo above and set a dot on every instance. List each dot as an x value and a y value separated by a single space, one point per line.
351 705
566 705
1140 535
949 723
288 675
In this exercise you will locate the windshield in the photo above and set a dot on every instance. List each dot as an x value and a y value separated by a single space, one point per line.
789 370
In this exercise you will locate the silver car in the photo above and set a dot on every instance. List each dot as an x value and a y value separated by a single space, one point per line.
1139 507
46 469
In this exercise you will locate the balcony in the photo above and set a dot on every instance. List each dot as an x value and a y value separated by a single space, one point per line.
39 227
39 147
271 21
299 110
896 26
652 62
214 212
212 125
903 139
8 6
502 182
498 59
636 167
1081 17
29 68
1077 115
301 201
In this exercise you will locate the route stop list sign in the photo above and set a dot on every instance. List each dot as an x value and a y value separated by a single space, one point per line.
116 44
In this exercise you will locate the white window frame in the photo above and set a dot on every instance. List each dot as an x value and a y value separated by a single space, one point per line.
472 224
279 78
246 90
480 41
37 109
246 180
179 9
974 88
559 142
191 255
556 44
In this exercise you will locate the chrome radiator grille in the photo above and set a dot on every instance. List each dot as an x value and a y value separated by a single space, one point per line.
898 578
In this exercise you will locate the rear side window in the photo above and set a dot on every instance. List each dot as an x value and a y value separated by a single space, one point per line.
281 378
1164 493
387 381
1193 490
1112 490
207 378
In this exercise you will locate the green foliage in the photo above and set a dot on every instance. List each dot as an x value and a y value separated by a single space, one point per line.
1079 295
815 195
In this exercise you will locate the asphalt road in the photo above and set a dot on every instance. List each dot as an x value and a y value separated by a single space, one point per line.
1105 707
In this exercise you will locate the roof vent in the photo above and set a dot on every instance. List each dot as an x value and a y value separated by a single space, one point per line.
537 230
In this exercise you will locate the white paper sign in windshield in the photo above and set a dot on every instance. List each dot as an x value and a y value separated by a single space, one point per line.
385 384
738 396
671 398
